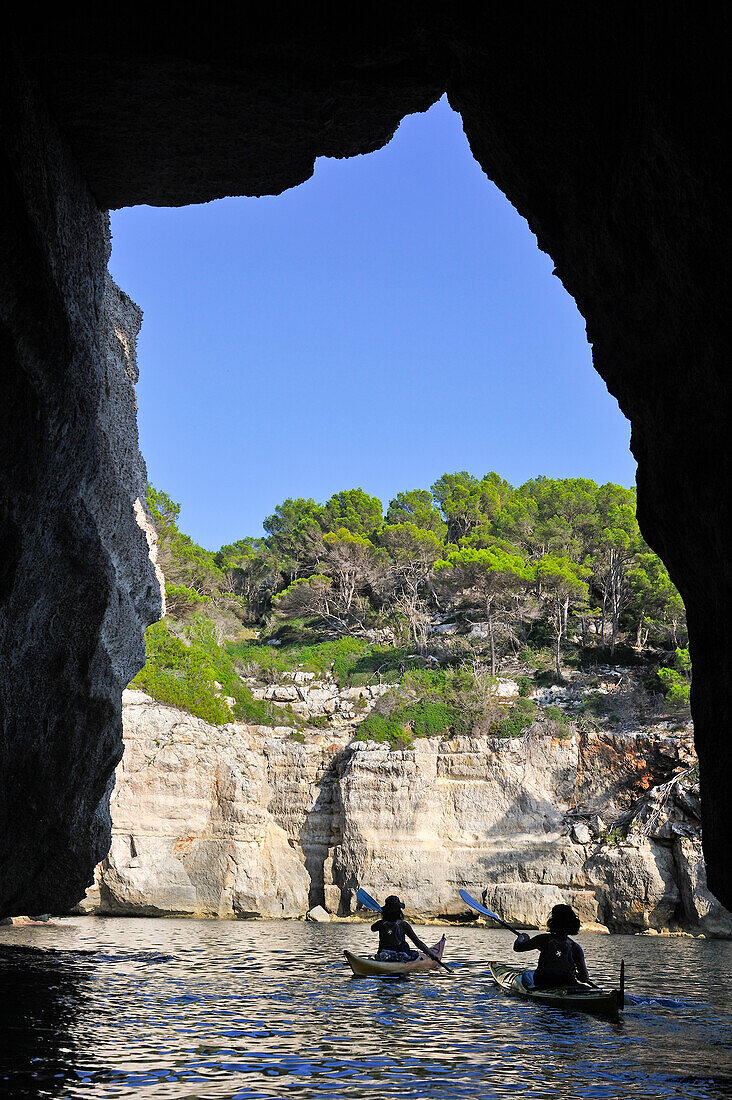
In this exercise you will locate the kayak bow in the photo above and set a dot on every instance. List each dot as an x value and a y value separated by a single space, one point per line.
365 966
597 1001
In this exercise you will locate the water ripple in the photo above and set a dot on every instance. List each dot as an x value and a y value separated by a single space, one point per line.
193 1009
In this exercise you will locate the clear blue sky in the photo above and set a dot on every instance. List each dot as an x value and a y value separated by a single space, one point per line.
388 321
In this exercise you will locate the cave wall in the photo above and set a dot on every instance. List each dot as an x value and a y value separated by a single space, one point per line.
603 126
77 585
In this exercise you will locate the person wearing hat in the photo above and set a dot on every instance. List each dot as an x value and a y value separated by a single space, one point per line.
394 932
561 960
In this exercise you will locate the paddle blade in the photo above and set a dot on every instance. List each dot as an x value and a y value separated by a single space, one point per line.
470 901
367 901
473 904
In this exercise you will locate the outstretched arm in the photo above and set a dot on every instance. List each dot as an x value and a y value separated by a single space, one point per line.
524 942
412 935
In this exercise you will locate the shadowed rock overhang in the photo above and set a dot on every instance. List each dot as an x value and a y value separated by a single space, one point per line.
604 126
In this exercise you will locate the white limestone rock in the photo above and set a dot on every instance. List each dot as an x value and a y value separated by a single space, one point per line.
318 915
700 906
637 884
191 829
581 833
252 821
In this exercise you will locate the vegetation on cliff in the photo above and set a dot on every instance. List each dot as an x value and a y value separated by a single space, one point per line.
438 595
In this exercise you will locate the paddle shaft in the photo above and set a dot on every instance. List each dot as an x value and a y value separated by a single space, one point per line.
369 902
505 924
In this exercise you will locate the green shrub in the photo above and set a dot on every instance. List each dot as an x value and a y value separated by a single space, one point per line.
184 672
518 718
682 661
513 725
381 729
430 718
526 706
255 712
180 599
676 682
181 675
525 686
676 687
353 661
559 722
266 658
547 678
540 636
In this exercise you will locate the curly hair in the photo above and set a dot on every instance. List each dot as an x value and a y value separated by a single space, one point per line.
563 921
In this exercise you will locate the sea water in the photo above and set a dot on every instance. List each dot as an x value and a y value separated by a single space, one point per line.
126 1007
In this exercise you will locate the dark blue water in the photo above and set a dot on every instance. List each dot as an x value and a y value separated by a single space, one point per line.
197 1009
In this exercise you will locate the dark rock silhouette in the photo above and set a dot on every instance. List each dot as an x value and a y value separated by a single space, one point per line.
603 127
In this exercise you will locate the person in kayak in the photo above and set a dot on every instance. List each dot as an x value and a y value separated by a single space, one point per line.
394 932
561 960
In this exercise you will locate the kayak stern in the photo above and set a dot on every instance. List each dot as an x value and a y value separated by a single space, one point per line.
598 1002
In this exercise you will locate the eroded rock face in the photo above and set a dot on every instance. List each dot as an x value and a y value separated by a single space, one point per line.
77 585
245 821
192 828
604 132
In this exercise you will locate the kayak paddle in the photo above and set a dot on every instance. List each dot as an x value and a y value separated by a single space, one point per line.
485 912
369 903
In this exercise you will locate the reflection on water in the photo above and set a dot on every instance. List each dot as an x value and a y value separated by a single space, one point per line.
198 1009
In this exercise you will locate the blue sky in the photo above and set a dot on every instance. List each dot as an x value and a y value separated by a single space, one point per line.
390 320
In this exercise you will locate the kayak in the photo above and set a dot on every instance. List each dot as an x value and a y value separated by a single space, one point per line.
366 966
600 1001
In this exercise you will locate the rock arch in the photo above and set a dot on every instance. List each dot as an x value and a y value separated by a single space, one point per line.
602 125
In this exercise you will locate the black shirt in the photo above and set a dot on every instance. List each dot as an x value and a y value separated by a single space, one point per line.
561 960
393 933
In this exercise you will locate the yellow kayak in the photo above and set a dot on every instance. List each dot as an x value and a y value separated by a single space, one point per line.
366 966
597 1001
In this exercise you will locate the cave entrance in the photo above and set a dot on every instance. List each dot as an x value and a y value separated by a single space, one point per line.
388 320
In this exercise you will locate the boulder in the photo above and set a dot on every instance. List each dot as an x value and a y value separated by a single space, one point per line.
318 914
332 898
581 833
506 689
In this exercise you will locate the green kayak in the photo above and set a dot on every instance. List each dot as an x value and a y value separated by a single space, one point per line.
599 1001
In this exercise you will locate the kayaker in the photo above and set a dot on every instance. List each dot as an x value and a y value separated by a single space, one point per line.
394 932
561 960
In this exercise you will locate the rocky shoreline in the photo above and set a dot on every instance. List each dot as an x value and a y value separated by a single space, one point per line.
252 821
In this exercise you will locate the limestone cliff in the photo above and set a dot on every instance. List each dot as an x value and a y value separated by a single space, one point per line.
244 820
